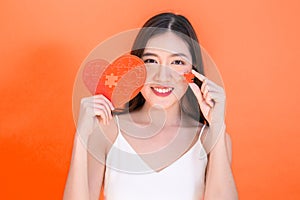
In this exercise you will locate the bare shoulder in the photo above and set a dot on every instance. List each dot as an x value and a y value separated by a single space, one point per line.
228 146
228 141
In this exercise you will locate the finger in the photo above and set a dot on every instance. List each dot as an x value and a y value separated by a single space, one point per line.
100 109
97 113
103 109
196 91
216 96
205 105
199 95
206 81
100 96
210 89
209 86
210 102
205 110
103 99
213 84
102 115
203 87
205 90
198 75
102 102
216 89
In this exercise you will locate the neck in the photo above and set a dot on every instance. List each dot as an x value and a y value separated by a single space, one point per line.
170 116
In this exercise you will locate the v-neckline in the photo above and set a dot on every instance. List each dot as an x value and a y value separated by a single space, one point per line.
164 168
198 140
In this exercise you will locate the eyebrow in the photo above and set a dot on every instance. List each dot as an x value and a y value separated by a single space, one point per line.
173 55
149 54
179 54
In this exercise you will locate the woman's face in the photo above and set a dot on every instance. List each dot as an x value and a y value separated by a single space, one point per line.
167 58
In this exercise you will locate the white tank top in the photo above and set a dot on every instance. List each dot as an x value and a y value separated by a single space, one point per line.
128 177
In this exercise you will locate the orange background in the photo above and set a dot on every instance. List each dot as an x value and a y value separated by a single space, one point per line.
254 43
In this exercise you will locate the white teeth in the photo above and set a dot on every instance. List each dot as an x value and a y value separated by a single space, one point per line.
160 90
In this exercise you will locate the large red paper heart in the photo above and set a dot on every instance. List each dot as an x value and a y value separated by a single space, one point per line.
92 72
122 80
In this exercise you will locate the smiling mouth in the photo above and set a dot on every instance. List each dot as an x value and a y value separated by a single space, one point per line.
162 91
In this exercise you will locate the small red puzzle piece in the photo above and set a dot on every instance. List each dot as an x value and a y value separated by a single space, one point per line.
189 77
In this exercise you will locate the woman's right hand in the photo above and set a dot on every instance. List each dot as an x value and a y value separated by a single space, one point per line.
93 109
87 169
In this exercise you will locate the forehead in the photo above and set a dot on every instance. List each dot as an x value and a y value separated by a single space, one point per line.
168 42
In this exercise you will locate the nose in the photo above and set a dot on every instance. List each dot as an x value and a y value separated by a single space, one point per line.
163 74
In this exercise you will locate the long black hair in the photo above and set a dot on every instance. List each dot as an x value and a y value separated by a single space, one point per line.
180 25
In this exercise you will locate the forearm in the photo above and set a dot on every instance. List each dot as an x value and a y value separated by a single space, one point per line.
77 182
219 180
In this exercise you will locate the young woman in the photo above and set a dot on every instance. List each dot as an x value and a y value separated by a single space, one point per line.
171 142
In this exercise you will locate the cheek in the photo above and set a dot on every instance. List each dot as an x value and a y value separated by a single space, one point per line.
152 70
180 70
180 89
183 69
145 91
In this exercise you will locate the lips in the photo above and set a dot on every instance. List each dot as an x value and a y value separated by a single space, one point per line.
162 91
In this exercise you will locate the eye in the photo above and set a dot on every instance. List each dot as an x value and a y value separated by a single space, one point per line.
178 62
150 61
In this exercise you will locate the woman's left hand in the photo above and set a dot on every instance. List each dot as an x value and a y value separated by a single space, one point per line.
211 99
